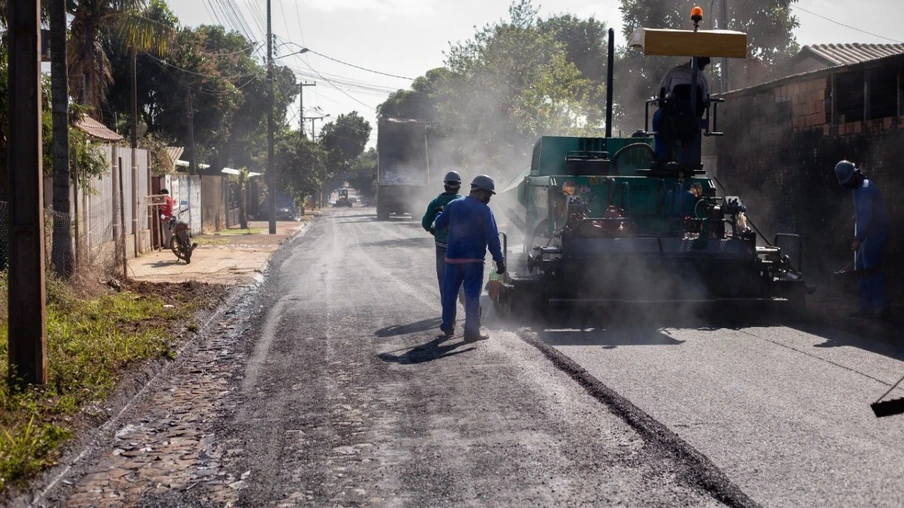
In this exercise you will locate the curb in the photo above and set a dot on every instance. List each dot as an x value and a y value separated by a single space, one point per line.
700 471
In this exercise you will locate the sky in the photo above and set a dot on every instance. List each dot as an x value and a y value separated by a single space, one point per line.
405 38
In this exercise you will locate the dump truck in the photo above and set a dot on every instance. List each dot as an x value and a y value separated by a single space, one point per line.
403 166
606 222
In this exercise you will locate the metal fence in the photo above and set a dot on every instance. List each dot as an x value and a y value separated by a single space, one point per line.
91 230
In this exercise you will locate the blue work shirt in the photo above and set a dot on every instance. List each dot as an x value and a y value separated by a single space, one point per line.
472 228
869 212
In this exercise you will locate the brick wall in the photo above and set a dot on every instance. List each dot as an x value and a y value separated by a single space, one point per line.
778 154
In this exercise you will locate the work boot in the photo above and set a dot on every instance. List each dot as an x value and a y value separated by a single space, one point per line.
861 314
448 332
474 337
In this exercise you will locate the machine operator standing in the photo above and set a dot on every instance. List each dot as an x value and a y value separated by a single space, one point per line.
472 228
451 185
871 230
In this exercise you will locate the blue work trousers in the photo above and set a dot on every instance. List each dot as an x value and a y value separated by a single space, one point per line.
441 273
471 274
441 269
872 292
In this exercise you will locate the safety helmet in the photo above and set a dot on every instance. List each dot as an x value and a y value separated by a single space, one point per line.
484 182
452 178
844 171
164 191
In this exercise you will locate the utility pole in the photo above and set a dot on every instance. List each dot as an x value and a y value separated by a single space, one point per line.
301 108
27 354
723 25
134 190
312 119
271 167
191 133
62 254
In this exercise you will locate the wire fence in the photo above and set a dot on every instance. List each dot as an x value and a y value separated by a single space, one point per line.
90 231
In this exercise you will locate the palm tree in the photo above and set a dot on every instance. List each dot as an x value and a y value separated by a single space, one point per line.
93 20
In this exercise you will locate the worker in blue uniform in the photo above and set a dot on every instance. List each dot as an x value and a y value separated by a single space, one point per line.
680 77
472 228
871 231
451 186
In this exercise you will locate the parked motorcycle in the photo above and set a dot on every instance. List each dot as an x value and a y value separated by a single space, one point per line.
179 242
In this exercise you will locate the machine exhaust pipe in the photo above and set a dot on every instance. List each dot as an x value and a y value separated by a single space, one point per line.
609 88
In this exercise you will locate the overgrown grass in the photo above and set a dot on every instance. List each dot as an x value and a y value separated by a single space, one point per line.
90 342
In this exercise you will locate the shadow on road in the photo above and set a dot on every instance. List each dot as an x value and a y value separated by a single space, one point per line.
891 346
426 241
164 264
420 326
609 338
433 350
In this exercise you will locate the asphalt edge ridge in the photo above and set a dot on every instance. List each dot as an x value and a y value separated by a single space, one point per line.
701 472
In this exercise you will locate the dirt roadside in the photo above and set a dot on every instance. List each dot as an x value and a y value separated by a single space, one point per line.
231 257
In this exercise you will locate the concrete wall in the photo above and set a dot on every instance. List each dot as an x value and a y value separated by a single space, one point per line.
213 213
186 191
779 152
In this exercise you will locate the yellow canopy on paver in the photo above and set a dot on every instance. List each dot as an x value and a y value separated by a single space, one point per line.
711 43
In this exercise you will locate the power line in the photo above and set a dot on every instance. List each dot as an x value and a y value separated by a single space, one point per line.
846 26
357 66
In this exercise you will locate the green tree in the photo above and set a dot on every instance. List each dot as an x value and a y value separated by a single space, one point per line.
302 165
93 21
514 82
585 42
216 73
344 140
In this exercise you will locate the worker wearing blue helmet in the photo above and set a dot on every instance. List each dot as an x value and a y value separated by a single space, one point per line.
472 228
871 231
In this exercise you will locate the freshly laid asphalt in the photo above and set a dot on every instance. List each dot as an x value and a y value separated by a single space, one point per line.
340 391
352 398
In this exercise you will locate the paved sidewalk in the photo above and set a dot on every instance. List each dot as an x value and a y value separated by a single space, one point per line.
231 257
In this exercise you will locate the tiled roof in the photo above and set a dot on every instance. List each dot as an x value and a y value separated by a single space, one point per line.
97 130
846 54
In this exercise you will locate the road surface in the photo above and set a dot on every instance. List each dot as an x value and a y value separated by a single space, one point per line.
329 385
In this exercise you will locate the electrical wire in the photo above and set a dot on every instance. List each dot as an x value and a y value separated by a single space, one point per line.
359 67
341 90
847 26
349 64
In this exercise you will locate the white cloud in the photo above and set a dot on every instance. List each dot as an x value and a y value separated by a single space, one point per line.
406 8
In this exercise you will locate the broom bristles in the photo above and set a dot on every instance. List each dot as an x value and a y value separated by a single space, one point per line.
888 408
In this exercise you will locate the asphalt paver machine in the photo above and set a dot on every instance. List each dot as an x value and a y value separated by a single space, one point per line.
606 222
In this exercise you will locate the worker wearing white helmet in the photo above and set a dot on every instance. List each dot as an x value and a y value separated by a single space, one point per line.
871 231
472 228
451 186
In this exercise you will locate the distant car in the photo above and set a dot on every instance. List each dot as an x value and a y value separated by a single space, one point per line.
286 209
287 212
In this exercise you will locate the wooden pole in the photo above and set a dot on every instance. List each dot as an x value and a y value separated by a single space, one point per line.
27 355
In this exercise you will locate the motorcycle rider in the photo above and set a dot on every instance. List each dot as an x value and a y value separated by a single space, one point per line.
166 213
